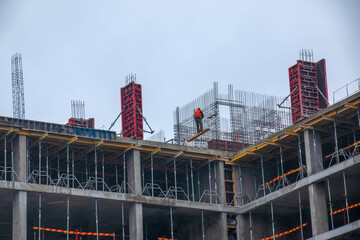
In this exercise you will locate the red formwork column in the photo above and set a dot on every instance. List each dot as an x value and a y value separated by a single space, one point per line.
131 103
304 77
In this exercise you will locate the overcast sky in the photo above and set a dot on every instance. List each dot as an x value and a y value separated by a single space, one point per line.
83 50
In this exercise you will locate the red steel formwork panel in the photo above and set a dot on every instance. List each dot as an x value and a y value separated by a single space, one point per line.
86 123
304 76
131 103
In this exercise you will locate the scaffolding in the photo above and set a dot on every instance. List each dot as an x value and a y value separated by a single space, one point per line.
251 117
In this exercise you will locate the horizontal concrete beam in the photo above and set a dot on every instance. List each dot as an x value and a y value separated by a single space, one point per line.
31 187
317 177
338 232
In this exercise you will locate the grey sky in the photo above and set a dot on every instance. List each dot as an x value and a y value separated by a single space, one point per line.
178 48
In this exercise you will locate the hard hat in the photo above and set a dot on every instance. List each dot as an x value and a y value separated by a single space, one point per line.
198 108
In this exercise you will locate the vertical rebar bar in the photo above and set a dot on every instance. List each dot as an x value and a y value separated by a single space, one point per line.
282 167
263 174
300 215
336 143
175 178
330 204
96 219
210 187
192 180
202 225
124 169
171 223
152 174
272 220
96 177
346 199
39 162
39 233
67 217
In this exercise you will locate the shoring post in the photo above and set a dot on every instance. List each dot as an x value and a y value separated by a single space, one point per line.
166 177
116 172
215 185
67 166
58 165
300 215
12 158
301 166
187 181
47 165
96 219
124 169
27 158
336 143
39 163
346 199
251 226
198 181
330 204
209 169
175 178
152 174
263 174
241 185
5 158
73 167
39 233
171 224
202 225
272 220
103 169
96 177
142 174
122 220
67 217
192 180
282 167
87 167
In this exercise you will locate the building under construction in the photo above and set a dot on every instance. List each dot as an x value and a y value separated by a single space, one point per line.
289 181
250 117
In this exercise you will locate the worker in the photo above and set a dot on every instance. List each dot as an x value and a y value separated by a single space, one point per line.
198 115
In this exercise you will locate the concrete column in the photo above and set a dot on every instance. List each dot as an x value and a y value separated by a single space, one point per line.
317 192
136 221
20 157
133 165
242 227
19 224
220 180
134 170
313 152
216 228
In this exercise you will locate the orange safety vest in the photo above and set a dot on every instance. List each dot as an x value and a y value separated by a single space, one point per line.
198 113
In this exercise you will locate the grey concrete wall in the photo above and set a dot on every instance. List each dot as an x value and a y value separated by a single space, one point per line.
242 227
216 227
19 221
220 181
20 157
313 152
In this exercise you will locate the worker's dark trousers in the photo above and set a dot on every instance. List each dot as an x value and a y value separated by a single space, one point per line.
199 125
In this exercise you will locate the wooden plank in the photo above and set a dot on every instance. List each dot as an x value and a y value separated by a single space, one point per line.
198 135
